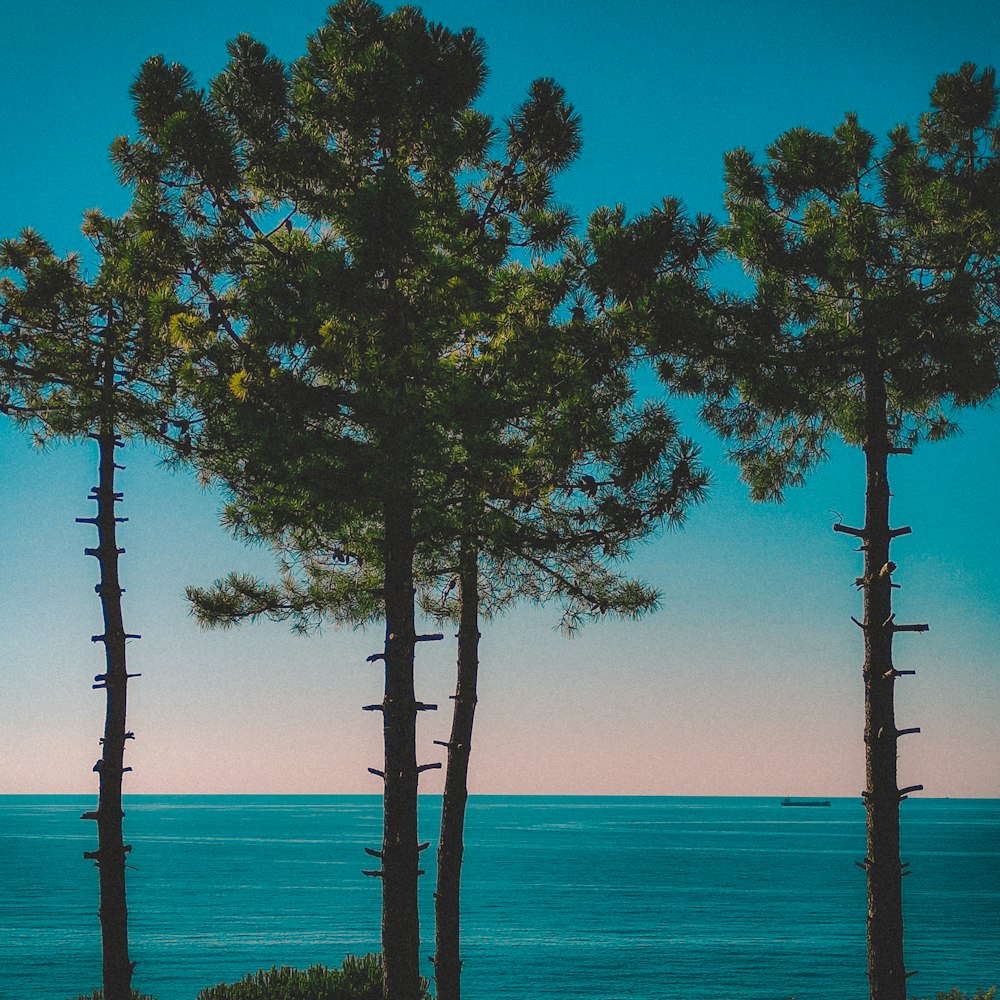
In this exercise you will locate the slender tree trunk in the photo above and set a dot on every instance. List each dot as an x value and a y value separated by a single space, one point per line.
111 853
886 971
400 852
447 900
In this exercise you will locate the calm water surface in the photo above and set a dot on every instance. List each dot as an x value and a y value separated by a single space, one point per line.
570 898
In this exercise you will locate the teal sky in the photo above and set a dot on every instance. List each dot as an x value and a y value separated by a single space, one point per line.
749 679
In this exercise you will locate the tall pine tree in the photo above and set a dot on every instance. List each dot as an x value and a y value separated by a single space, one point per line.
90 362
342 223
874 319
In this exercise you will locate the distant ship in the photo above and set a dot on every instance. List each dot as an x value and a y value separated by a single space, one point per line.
805 802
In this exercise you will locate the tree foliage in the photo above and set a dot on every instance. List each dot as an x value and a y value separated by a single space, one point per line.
867 261
58 326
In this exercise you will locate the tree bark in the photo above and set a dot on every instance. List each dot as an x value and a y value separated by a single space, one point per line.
886 970
400 853
447 900
111 853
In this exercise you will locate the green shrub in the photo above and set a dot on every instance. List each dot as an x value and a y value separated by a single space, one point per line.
956 994
99 995
356 979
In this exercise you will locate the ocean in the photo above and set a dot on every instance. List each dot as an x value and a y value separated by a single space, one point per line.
576 898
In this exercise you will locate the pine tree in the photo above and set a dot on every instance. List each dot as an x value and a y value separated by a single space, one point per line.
89 364
320 215
353 229
874 318
561 472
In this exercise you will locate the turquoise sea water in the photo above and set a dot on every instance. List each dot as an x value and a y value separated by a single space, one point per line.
570 898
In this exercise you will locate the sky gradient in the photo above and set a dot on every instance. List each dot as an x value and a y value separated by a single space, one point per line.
748 681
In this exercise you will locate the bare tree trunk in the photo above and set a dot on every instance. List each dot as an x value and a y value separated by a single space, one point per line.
886 969
447 899
111 853
400 851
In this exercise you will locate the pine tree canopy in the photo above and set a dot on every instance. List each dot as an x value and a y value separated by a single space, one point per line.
381 285
871 262
61 330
